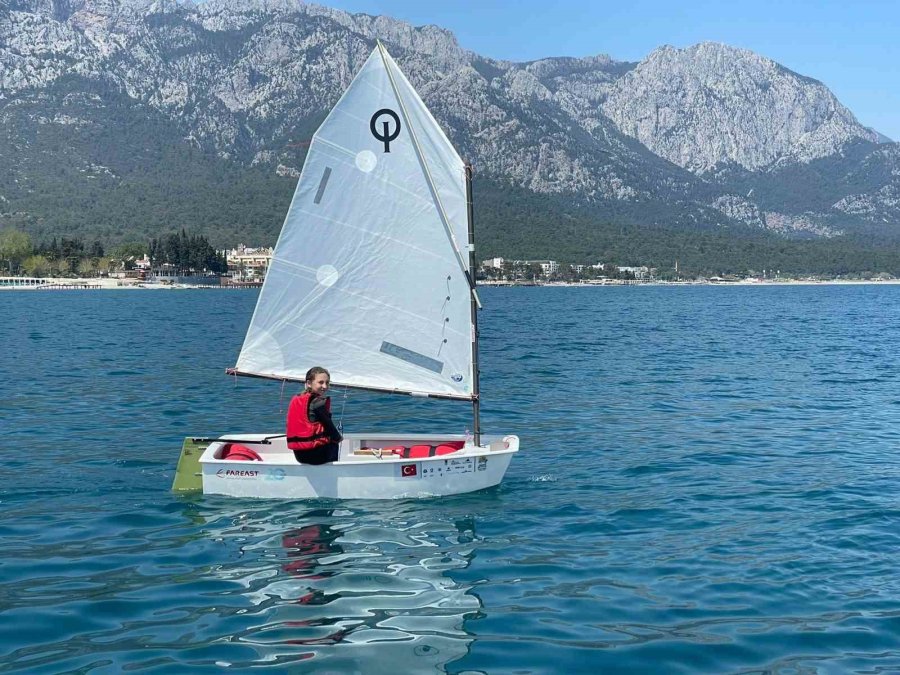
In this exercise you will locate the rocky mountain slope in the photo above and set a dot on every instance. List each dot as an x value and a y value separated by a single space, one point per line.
712 104
706 138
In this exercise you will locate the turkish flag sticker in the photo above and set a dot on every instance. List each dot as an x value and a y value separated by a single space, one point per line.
407 470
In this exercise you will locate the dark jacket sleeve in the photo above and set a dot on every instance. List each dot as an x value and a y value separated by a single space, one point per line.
319 413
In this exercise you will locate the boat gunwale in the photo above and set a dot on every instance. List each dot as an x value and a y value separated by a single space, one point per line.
288 459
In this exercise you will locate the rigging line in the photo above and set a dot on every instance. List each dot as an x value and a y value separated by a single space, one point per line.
341 416
446 319
434 194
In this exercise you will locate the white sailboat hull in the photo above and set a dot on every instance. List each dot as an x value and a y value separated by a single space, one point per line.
361 472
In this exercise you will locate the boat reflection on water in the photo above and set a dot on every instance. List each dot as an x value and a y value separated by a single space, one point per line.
304 546
353 591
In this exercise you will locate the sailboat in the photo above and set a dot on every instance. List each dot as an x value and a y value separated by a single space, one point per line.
373 278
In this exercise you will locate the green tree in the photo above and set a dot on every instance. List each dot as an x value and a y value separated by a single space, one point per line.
14 247
36 266
85 267
125 254
61 266
72 250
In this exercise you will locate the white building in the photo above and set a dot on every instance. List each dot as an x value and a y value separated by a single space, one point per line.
548 267
639 272
248 264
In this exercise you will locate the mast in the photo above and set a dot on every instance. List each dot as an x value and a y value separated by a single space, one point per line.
473 300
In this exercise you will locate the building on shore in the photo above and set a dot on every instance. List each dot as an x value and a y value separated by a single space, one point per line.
502 266
642 272
247 264
22 282
169 274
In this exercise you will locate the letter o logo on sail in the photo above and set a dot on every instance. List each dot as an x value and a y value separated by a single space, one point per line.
327 275
385 135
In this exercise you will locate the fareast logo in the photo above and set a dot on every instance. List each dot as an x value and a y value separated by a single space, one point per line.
236 473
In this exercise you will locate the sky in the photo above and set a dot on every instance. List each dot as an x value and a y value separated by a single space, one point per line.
853 47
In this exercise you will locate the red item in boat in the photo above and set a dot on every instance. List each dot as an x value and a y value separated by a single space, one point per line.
240 453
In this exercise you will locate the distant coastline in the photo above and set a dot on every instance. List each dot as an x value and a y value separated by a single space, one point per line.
97 284
52 284
741 282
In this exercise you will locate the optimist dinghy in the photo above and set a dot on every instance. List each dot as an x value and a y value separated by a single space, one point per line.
373 278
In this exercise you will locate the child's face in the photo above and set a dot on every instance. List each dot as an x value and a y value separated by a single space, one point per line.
319 384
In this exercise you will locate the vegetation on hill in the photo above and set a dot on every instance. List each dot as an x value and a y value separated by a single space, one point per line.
107 171
82 162
516 223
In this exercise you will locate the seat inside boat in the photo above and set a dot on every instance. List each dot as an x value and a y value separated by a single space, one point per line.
418 451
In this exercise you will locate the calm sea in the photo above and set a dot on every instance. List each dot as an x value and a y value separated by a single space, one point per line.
709 482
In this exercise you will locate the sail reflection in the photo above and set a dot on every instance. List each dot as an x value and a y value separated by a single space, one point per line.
355 590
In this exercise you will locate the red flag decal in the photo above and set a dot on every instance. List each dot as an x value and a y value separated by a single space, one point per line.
407 470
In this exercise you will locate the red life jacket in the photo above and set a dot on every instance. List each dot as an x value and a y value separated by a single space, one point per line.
302 434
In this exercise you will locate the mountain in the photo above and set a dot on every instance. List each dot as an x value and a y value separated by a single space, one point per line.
713 105
126 117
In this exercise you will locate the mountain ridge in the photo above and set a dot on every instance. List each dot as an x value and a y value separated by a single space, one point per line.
673 139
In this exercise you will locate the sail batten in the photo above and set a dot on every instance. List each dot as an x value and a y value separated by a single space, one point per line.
367 278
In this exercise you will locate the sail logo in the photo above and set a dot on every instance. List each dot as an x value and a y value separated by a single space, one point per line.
236 473
386 136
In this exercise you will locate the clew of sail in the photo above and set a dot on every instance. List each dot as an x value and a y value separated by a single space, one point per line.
368 277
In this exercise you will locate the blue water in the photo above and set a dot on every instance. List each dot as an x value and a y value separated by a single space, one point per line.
709 482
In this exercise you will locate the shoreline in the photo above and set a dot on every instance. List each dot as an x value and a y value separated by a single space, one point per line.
104 284
742 283
53 284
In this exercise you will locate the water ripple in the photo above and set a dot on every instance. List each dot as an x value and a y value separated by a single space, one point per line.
708 483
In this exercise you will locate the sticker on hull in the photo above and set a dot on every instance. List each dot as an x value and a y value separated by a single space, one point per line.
448 467
237 474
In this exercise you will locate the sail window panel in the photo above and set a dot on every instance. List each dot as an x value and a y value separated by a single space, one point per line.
412 357
323 183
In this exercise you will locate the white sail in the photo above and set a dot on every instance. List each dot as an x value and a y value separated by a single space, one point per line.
368 278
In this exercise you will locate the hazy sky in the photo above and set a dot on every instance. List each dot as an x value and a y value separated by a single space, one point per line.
853 47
